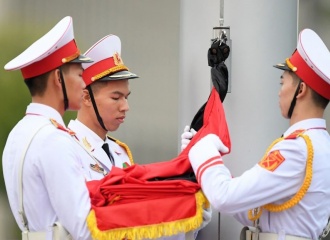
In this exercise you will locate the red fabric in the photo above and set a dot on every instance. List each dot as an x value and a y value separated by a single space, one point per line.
99 67
125 197
308 75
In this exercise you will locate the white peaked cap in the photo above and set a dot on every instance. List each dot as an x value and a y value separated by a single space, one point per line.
310 62
49 52
107 64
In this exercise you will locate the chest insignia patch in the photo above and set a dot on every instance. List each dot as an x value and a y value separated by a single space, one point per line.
96 168
272 161
125 165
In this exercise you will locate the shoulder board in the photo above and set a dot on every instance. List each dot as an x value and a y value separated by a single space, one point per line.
295 134
61 127
128 151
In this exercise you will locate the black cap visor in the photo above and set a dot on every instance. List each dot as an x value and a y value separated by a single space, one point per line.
82 59
282 66
119 76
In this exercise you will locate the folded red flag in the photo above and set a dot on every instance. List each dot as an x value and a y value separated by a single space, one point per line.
154 200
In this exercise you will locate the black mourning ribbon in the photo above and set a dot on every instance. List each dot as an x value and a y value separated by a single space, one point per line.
217 55
105 147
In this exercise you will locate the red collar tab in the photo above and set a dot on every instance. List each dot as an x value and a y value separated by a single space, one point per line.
61 127
295 134
298 132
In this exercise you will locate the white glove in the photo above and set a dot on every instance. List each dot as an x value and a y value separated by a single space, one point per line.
206 150
186 136
207 216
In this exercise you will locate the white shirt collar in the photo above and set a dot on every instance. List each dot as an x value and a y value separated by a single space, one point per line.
306 124
82 131
45 111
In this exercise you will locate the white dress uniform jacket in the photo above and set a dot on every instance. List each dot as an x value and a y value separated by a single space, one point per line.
54 174
259 186
93 142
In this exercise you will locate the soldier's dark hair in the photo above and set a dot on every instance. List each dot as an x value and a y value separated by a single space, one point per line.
97 85
37 85
319 100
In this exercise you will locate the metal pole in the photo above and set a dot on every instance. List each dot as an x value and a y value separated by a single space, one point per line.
221 22
222 6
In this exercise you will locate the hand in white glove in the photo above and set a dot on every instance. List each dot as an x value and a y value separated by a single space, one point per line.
206 150
186 136
207 216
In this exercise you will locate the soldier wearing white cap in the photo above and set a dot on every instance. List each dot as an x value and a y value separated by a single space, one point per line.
105 103
44 167
287 194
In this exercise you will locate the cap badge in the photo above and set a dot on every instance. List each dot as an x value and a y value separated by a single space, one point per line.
117 59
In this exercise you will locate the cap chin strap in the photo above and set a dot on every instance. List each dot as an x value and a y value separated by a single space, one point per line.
293 102
99 119
66 100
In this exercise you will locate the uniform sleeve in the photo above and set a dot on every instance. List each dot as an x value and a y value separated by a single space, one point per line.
64 180
275 179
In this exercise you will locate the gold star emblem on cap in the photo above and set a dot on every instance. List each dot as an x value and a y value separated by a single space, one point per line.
117 59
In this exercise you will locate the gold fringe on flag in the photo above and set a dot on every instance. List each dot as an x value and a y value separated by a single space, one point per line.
153 231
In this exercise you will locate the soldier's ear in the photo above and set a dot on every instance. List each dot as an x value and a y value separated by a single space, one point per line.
303 88
55 77
86 99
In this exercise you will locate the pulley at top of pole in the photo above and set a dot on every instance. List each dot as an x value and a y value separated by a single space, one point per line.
221 33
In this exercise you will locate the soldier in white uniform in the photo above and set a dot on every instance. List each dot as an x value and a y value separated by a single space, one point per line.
104 107
54 167
287 194
105 103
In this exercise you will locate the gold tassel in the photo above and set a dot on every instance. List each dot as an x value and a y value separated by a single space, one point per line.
271 207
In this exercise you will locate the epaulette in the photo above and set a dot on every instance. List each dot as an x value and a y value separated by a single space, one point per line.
125 146
61 127
295 134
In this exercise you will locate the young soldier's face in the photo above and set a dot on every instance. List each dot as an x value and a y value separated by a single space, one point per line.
74 85
286 93
112 103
